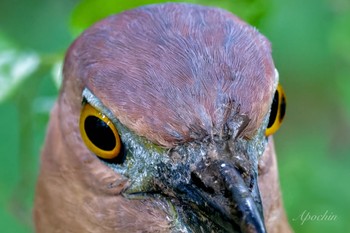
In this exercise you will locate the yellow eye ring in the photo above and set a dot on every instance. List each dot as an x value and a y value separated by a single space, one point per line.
99 133
278 110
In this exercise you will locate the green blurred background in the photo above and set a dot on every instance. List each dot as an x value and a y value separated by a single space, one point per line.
311 48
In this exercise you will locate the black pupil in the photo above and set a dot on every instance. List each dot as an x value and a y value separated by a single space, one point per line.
283 108
274 109
99 133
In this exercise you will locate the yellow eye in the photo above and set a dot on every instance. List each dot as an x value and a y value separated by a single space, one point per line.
99 133
278 110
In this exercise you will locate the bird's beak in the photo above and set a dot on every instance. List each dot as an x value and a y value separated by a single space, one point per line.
220 192
224 192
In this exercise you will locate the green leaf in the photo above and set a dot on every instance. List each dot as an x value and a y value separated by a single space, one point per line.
251 11
90 11
15 67
56 73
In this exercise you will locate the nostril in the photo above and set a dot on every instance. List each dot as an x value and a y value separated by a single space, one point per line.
197 181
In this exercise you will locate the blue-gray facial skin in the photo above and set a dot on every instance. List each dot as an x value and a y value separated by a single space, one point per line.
161 174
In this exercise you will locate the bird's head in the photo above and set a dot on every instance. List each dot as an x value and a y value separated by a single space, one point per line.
175 99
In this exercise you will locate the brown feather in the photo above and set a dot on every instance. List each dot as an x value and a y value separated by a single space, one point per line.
274 214
170 72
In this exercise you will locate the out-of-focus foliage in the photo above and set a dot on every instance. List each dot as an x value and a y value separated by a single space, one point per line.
33 37
14 69
86 14
311 49
310 41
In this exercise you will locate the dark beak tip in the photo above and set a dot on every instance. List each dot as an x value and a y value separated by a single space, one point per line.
254 226
253 229
236 206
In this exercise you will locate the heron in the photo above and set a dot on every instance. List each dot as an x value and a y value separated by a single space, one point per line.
164 123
